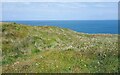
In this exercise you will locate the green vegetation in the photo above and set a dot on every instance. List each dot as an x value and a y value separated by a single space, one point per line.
35 49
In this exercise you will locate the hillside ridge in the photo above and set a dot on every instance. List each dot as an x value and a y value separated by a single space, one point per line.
37 49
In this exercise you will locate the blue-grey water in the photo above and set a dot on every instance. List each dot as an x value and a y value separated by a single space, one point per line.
86 26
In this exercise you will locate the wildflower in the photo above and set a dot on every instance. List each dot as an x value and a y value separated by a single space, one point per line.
41 56
57 66
98 62
85 65
36 64
16 63
69 68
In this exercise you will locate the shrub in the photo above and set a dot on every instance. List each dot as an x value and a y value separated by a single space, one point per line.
35 51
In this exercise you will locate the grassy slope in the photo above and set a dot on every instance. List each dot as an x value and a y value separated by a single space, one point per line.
53 49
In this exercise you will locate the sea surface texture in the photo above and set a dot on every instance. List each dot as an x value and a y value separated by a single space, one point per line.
85 26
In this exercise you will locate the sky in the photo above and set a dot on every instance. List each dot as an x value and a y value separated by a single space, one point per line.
59 0
59 10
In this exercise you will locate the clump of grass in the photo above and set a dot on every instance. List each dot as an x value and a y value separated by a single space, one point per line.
35 51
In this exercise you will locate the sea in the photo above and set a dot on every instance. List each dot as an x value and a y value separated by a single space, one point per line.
84 26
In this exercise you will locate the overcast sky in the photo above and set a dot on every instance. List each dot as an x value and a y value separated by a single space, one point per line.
60 10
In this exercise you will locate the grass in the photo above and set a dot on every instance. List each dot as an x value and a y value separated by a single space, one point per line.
44 49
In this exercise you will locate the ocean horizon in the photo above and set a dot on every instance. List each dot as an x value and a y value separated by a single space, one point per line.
84 26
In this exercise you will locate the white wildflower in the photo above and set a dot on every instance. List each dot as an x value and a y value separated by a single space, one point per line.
36 64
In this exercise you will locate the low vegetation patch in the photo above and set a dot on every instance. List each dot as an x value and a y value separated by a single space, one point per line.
48 49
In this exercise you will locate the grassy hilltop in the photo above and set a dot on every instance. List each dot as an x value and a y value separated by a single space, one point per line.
35 49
